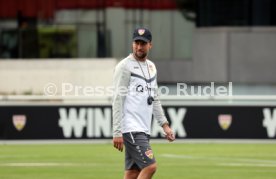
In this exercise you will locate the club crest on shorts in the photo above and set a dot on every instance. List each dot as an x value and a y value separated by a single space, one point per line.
225 121
141 31
149 154
19 121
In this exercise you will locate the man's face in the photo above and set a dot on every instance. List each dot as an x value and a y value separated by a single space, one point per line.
141 48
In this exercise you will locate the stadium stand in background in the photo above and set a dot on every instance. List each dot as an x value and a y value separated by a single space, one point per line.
195 42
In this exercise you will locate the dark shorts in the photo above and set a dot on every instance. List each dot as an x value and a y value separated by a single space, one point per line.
138 153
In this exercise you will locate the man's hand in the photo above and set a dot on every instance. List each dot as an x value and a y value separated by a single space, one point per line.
118 143
169 133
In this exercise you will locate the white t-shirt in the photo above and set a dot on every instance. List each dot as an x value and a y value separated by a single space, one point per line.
133 86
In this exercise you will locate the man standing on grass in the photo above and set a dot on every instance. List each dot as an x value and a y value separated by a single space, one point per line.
134 102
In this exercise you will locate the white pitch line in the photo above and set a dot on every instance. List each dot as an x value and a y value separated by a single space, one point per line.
273 162
247 164
37 164
49 164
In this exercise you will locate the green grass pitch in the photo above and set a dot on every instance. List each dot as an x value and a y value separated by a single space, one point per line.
102 161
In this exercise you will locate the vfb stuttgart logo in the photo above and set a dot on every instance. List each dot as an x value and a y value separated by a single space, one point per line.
149 154
19 122
225 121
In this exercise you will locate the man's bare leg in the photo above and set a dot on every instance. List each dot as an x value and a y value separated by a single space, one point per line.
147 172
131 174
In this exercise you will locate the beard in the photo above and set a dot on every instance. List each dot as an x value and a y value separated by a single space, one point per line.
140 55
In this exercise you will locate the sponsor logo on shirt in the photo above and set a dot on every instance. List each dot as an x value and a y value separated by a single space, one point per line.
140 88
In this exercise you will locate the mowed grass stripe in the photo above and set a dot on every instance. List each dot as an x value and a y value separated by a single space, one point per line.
194 161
